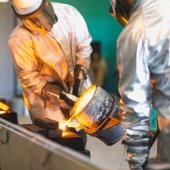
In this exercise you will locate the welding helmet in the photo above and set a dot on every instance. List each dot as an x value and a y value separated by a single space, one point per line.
39 12
120 9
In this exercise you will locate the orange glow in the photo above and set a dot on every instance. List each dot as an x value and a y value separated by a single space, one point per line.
66 133
70 123
5 108
83 100
112 122
79 118
63 125
69 134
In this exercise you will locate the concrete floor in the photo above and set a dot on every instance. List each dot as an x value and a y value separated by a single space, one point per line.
111 157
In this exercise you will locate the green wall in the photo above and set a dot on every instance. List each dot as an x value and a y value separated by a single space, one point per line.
103 28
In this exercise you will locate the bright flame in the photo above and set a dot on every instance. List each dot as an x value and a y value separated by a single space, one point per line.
70 123
2 112
64 126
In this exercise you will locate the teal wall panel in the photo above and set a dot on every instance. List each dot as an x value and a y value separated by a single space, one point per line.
103 28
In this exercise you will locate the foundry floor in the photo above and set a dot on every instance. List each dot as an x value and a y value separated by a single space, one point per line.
111 157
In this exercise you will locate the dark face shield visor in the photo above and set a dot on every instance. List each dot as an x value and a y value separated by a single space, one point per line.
44 17
48 11
120 9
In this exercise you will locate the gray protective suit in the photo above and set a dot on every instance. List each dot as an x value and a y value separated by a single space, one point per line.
144 67
42 57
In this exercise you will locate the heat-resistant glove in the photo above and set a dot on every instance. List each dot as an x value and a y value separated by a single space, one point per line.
81 80
53 93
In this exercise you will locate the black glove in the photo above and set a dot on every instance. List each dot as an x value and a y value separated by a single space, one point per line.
81 80
55 94
51 92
